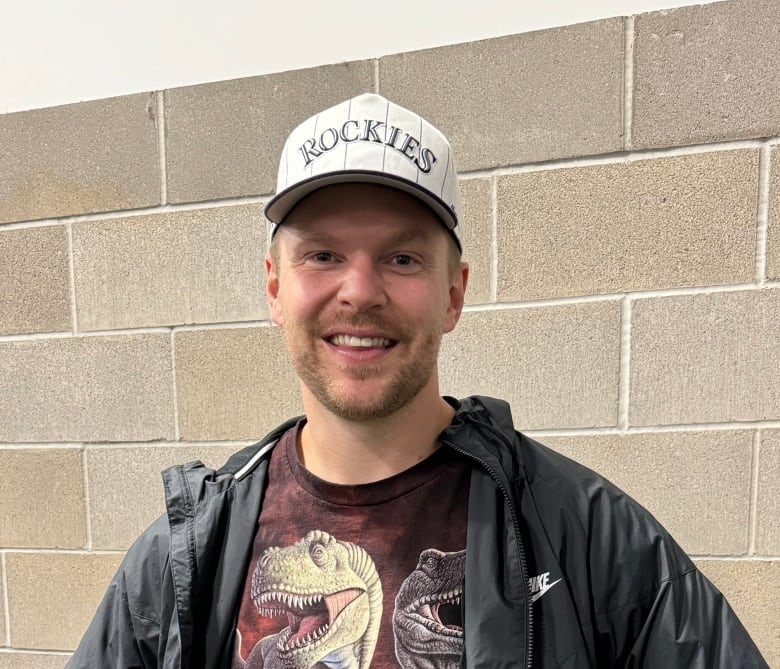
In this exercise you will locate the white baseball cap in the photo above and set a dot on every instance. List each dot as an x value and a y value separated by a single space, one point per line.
368 139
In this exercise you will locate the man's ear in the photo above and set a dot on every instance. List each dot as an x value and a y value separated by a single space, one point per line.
272 290
458 285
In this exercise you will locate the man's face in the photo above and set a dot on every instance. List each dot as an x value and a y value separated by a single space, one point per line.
362 289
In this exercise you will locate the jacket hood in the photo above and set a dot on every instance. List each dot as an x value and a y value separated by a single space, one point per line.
483 428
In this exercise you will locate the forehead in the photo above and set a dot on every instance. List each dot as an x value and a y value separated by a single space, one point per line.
361 211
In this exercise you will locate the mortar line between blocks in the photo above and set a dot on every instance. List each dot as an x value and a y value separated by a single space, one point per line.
7 625
376 75
126 331
38 336
624 373
227 325
62 551
737 558
614 157
494 239
173 387
32 445
231 201
753 506
26 225
34 651
116 445
533 304
72 280
613 297
628 81
648 429
161 147
87 499
762 222
43 336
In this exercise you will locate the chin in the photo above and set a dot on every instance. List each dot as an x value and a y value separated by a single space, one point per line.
362 404
362 410
366 399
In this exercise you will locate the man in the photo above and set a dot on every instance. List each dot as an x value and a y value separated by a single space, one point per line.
390 526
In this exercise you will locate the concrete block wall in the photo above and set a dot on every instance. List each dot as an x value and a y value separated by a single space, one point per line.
621 185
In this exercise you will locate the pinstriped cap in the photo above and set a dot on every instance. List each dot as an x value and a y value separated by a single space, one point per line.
372 140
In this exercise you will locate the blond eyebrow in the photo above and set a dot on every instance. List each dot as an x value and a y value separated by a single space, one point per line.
410 235
312 236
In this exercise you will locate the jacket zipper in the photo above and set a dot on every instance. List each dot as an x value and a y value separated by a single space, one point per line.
529 624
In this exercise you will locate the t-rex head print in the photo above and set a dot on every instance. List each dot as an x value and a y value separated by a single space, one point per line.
331 594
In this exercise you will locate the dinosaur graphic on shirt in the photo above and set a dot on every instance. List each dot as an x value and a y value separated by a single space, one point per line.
422 639
332 597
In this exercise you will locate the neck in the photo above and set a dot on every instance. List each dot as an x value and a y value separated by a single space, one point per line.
350 453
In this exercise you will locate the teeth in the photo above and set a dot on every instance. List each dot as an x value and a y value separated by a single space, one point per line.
360 342
291 601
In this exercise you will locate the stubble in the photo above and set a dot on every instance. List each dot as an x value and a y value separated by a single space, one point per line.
343 390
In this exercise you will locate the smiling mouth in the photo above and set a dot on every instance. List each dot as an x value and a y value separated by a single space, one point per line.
360 342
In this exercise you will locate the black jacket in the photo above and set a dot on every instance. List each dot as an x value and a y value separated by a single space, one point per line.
562 568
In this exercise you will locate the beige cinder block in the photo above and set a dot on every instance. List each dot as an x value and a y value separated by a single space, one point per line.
54 516
35 293
235 383
87 389
706 73
680 221
680 477
86 157
557 366
518 99
53 596
23 660
773 232
3 616
768 507
477 215
224 139
197 266
125 487
705 358
752 587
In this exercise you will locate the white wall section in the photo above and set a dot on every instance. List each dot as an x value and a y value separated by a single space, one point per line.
54 52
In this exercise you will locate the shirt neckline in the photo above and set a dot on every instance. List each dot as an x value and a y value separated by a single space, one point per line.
364 494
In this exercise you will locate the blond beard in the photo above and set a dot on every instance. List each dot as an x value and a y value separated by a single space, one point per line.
404 384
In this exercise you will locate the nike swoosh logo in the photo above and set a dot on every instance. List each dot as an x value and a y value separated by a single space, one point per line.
539 594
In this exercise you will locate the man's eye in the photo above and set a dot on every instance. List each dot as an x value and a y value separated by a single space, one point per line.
402 259
323 256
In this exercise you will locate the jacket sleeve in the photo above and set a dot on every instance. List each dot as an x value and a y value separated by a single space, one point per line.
690 624
660 610
125 631
116 637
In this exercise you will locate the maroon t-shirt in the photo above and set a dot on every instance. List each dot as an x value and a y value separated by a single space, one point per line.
356 575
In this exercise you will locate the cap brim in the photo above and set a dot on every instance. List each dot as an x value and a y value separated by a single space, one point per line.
282 203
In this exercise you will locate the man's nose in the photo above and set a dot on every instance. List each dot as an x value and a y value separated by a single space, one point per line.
362 285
